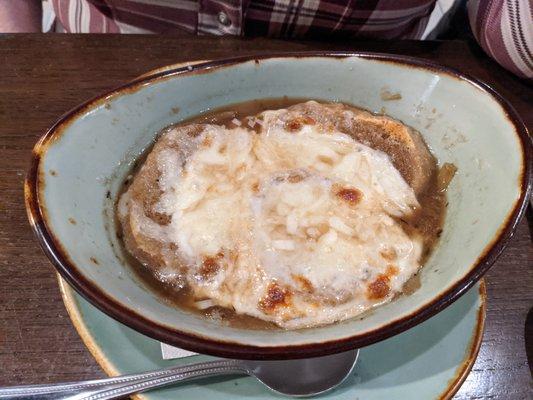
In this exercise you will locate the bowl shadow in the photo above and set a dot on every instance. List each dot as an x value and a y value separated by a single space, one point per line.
410 356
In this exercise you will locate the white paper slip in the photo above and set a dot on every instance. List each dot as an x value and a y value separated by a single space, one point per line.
170 352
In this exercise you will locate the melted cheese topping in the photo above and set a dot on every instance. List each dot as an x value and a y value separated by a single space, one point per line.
294 224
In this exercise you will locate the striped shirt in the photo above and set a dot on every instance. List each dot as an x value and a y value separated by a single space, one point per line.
275 18
505 32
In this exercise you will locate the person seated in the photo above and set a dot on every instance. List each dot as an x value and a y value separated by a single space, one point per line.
504 29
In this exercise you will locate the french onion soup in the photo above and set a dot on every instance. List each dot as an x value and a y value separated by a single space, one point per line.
272 214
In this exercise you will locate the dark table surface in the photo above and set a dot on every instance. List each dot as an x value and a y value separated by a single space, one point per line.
42 76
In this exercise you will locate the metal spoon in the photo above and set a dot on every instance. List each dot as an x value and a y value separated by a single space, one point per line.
298 378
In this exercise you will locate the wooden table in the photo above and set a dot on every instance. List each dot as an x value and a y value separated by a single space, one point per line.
42 76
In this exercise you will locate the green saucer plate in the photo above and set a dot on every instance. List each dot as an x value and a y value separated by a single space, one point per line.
429 361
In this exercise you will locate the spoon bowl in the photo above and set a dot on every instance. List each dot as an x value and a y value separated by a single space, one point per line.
304 377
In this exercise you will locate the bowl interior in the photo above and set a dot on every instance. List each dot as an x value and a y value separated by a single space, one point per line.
83 165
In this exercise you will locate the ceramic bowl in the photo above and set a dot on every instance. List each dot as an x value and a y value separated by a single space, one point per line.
80 163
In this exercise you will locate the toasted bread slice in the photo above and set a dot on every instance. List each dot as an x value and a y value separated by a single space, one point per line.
141 223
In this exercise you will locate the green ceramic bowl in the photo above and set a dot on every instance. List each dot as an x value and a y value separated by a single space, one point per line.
80 162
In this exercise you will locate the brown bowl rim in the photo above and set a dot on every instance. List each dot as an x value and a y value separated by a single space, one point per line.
60 259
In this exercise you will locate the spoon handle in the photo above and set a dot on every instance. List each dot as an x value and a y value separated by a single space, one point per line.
118 387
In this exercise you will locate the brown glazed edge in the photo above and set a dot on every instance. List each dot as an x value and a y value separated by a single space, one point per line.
60 259
454 384
475 344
